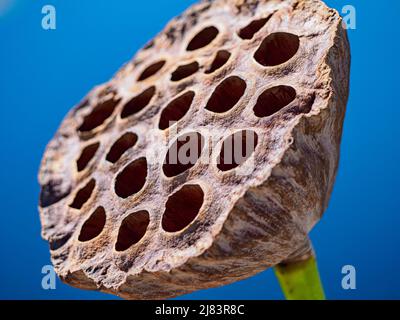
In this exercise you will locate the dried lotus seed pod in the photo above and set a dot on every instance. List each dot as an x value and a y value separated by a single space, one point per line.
122 218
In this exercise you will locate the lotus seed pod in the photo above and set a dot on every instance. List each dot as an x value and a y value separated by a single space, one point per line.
125 214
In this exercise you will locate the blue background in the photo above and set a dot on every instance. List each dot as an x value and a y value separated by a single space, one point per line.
44 73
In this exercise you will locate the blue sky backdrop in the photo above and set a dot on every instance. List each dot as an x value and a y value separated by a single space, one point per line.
44 73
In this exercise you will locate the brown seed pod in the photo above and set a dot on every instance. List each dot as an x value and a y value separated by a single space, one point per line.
122 218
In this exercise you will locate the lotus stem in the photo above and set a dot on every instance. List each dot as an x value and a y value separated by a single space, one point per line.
300 280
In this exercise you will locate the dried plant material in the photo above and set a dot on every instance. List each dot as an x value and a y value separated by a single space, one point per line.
122 218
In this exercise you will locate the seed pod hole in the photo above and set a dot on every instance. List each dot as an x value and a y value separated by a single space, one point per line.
176 110
277 48
99 115
93 226
226 95
53 192
252 28
87 154
274 99
138 103
236 149
131 179
151 70
185 71
182 208
123 144
183 154
58 242
83 195
132 230
203 38
220 60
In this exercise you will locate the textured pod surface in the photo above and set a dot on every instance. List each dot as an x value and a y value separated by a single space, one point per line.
121 219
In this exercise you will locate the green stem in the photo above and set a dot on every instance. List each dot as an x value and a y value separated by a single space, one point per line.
300 280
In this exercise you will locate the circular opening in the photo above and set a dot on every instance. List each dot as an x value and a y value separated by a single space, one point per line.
123 144
185 71
151 70
220 59
252 28
99 115
203 38
53 192
87 154
132 179
83 195
182 208
176 110
94 225
226 95
132 230
277 48
183 154
274 99
236 149
137 103
57 243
